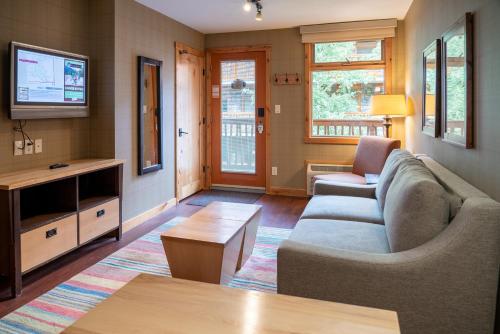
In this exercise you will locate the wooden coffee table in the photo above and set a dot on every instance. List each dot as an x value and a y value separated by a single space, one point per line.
214 243
154 304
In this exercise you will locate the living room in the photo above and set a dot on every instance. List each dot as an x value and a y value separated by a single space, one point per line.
327 155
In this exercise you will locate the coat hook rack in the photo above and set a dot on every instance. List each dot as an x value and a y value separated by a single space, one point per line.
287 79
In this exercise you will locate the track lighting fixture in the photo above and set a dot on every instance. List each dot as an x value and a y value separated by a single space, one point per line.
247 6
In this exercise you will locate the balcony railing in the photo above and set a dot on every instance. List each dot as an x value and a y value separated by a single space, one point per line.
456 127
347 128
238 145
357 128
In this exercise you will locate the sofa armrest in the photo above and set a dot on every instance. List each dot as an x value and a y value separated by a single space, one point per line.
344 189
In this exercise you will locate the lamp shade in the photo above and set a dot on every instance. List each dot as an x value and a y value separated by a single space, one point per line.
388 105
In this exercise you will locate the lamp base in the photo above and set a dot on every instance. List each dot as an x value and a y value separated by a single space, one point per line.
387 124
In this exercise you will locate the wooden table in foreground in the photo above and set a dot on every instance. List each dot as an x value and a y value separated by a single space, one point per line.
154 304
214 243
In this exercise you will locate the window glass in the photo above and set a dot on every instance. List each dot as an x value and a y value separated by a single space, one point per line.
346 52
238 116
341 102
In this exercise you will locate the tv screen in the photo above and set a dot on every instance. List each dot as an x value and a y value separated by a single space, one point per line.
47 83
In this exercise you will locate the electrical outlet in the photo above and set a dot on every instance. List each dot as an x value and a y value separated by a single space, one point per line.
18 147
38 146
277 109
274 171
28 147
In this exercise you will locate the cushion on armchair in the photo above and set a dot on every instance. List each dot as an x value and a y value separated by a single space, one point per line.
417 207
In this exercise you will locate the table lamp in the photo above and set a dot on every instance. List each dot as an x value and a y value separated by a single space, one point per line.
388 106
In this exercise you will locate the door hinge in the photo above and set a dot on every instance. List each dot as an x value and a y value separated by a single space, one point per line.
204 120
203 72
205 169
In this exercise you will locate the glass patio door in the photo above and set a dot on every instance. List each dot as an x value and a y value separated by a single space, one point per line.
238 129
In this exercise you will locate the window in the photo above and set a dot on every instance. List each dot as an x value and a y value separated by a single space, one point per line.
342 78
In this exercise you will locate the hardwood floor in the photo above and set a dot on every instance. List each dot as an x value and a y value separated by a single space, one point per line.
277 211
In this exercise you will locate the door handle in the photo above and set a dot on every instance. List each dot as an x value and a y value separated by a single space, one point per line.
260 128
182 132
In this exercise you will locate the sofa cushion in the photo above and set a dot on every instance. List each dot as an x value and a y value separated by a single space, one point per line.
417 207
342 177
343 208
340 234
343 189
392 163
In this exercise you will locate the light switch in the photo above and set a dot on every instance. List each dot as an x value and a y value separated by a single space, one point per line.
274 171
277 109
18 147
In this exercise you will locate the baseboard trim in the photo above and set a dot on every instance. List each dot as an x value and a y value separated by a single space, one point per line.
145 216
291 192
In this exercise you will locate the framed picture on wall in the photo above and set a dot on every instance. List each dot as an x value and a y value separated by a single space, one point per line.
457 69
431 92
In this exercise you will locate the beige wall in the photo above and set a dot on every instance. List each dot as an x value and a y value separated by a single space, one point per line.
287 128
102 78
59 25
426 21
140 31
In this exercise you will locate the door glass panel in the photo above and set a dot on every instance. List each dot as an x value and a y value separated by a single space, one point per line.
238 116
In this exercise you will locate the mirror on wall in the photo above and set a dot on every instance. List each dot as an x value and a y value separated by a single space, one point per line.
458 83
149 115
431 103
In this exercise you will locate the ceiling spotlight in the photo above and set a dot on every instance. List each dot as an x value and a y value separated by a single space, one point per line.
259 7
259 17
247 6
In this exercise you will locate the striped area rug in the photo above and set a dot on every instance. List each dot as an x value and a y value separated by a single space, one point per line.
63 305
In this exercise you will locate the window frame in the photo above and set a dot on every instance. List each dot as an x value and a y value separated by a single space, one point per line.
311 66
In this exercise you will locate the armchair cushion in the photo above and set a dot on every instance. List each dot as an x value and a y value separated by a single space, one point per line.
344 189
371 154
417 207
392 163
339 234
358 209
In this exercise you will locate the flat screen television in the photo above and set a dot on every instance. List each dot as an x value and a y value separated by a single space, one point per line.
47 83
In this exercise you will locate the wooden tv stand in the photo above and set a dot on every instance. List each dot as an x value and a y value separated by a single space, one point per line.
46 213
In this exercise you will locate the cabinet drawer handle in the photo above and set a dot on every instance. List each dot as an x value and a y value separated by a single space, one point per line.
101 213
51 233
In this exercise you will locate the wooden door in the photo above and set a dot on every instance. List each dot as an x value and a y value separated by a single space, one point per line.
238 129
189 120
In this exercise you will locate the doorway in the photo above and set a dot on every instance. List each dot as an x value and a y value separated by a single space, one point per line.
189 112
238 108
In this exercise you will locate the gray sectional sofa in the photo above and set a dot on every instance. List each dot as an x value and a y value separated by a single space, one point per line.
422 242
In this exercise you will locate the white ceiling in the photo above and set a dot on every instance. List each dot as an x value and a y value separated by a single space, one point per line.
215 16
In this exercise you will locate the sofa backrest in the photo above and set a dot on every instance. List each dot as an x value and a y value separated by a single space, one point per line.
417 207
450 181
394 160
